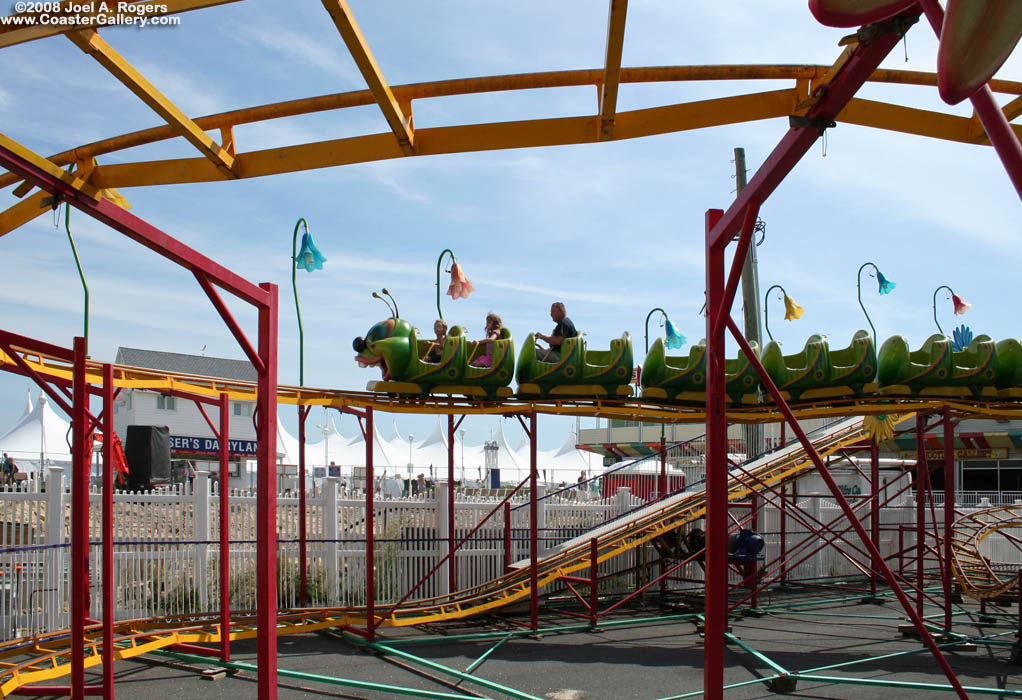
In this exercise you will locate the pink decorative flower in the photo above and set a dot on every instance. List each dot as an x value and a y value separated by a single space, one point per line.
961 306
460 286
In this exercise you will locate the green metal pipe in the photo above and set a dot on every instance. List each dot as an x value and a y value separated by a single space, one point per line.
318 678
908 684
475 664
440 668
920 650
298 309
647 324
740 684
762 657
484 636
81 274
439 260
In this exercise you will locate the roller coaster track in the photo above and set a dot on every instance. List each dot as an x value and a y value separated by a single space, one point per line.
43 658
57 370
981 578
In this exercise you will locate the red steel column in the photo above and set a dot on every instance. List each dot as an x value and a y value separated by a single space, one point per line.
266 499
594 581
303 595
995 123
922 470
949 511
874 512
784 533
452 578
663 468
533 532
79 518
715 614
225 532
507 537
370 438
108 531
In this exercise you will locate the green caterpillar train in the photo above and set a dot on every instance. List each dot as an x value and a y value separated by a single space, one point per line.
982 370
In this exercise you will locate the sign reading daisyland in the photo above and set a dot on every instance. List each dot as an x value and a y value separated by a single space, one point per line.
205 445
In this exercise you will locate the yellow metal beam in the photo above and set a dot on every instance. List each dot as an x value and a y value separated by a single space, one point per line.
23 212
73 179
459 139
1013 109
907 120
11 34
363 55
92 43
612 67
801 74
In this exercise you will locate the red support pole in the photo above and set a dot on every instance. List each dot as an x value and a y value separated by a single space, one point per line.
715 614
225 532
922 470
995 123
663 468
451 572
370 438
108 531
784 533
754 566
303 532
79 518
594 581
949 512
266 499
507 537
533 532
874 512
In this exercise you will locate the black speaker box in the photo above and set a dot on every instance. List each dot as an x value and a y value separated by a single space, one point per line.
147 449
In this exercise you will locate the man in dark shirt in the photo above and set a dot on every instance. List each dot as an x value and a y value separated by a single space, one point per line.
564 329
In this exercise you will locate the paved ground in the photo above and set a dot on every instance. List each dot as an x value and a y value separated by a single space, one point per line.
642 661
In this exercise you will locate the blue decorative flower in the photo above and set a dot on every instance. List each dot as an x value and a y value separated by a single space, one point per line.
961 338
886 285
309 257
674 338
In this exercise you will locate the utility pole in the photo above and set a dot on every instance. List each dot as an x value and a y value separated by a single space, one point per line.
750 304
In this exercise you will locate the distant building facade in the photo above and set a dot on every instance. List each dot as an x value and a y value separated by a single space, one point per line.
192 442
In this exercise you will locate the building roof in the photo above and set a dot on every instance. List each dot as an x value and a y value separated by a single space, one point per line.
187 364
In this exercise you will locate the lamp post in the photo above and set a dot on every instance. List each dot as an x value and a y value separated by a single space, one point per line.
885 287
81 274
674 338
961 306
648 316
460 286
310 259
791 309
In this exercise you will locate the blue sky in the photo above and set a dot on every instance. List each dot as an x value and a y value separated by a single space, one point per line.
612 229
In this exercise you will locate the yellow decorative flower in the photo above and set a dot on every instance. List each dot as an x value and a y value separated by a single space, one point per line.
791 309
881 427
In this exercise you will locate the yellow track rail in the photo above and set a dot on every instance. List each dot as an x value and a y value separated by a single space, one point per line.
627 409
46 657
979 577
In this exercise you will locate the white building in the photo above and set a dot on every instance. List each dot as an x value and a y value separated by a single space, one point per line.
191 439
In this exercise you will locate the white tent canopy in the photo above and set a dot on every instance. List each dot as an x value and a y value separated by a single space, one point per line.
39 436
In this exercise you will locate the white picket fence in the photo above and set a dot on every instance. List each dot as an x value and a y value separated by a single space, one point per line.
166 548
